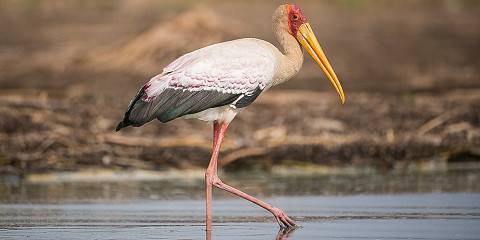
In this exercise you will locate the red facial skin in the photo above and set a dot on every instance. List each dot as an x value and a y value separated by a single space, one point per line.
295 18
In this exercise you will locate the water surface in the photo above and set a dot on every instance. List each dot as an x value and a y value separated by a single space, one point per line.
381 207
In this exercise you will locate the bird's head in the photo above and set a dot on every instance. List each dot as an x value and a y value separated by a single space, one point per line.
291 17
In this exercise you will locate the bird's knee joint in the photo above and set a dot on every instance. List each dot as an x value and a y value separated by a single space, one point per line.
217 182
212 178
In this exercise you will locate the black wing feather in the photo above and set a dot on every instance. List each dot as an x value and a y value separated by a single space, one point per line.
192 102
247 99
172 104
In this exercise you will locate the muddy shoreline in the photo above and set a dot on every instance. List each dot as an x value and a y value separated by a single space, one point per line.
285 127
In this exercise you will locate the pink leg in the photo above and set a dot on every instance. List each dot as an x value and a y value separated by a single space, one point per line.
212 167
211 179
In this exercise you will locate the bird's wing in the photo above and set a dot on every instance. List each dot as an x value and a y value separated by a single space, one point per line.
230 73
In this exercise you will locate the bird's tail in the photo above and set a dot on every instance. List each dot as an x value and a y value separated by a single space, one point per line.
126 118
121 125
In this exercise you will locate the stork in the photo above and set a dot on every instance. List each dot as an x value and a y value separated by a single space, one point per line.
217 82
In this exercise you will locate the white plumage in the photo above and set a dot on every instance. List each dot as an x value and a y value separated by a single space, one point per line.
225 67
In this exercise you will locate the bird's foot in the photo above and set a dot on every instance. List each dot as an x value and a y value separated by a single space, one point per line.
283 220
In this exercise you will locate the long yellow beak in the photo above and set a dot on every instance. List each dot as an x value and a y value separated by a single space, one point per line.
307 38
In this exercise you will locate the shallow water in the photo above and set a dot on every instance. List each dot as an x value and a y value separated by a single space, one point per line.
406 207
411 216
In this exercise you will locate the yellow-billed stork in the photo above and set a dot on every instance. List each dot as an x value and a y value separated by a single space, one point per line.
216 82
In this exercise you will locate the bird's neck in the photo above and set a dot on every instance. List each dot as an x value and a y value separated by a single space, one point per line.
291 58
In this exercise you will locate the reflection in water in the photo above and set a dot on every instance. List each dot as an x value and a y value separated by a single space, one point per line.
283 233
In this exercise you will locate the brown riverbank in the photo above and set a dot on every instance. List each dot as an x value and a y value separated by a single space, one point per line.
284 127
410 71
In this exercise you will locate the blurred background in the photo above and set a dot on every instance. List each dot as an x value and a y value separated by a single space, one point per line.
401 159
410 69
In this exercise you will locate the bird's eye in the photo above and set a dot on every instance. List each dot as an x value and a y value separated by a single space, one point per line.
294 17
